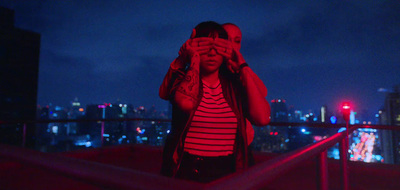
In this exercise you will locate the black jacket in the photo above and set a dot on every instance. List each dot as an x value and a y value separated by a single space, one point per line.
233 93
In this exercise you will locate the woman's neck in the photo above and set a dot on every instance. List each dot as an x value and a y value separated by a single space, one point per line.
210 78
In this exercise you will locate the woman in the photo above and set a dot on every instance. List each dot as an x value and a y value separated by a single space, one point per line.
211 98
235 37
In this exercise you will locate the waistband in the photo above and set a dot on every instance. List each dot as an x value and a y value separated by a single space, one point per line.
212 159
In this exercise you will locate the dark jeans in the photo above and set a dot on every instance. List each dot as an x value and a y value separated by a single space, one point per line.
205 169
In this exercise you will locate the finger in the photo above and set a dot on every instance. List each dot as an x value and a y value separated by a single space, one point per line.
225 55
222 42
230 68
201 52
202 41
188 43
224 52
237 55
226 48
200 48
232 65
205 43
193 33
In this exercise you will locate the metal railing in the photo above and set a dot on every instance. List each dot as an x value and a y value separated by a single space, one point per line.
102 121
253 178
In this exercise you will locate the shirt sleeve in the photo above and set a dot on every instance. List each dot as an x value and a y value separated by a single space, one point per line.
171 81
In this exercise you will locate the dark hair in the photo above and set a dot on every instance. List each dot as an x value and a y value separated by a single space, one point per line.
210 29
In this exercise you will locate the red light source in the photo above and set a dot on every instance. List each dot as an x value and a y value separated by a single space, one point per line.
276 133
346 111
271 133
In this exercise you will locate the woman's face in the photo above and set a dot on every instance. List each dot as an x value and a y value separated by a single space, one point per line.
211 61
235 35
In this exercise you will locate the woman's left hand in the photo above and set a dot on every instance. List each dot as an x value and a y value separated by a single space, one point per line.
224 48
236 61
234 57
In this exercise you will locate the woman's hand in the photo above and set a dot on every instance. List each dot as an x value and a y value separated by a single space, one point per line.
223 47
200 45
234 57
236 61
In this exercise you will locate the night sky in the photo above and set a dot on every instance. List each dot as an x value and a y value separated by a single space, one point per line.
311 54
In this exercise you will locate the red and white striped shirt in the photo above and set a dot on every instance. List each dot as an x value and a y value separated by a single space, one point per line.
213 128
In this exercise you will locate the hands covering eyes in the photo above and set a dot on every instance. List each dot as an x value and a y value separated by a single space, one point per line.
203 45
200 45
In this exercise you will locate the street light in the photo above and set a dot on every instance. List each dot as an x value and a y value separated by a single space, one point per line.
346 111
344 146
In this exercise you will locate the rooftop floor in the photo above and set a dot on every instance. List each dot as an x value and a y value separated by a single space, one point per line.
147 161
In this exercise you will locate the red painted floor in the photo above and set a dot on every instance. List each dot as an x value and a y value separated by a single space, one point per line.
14 175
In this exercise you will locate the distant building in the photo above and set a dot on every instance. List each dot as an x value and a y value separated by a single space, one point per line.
324 114
391 139
298 115
77 111
42 113
114 132
19 65
279 111
291 114
392 107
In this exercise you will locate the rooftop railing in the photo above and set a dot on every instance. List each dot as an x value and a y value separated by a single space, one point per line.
253 178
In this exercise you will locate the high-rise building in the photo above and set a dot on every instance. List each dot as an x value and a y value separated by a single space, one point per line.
279 111
19 65
324 114
392 106
114 132
391 139
77 111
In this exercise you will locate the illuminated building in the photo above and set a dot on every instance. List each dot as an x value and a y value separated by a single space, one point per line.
76 111
298 115
279 111
391 116
62 129
392 107
19 63
114 132
324 114
352 117
291 114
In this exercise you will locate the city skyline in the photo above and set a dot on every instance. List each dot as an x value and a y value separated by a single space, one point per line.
310 54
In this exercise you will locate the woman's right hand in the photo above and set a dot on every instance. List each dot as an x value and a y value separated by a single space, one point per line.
200 45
